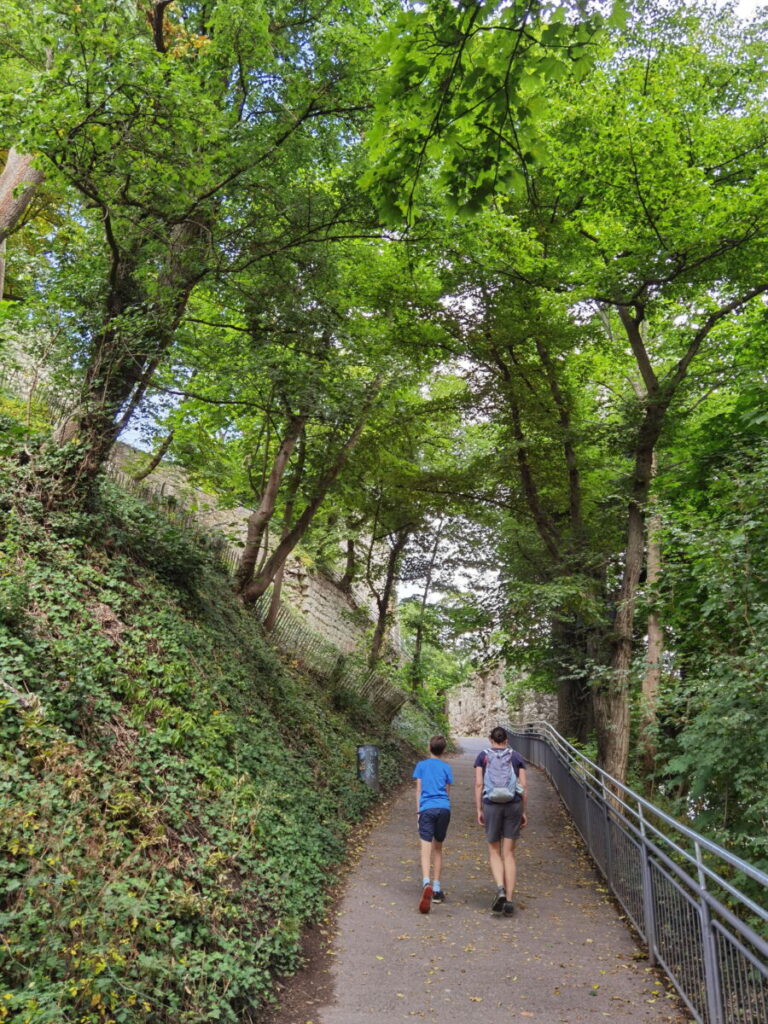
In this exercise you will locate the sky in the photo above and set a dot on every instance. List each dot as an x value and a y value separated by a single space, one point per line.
746 7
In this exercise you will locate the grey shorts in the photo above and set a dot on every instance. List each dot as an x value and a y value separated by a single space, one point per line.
502 821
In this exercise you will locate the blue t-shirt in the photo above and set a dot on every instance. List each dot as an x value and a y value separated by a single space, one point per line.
435 775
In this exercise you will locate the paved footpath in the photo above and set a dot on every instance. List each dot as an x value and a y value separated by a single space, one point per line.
565 957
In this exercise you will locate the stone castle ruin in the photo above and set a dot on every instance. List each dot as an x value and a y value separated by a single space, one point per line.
475 708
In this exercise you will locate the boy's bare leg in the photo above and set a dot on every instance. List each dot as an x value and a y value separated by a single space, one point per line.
426 894
437 860
426 858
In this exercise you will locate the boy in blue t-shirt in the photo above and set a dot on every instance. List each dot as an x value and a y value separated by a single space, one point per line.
434 779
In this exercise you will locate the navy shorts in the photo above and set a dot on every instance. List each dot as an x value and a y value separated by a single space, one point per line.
502 820
433 824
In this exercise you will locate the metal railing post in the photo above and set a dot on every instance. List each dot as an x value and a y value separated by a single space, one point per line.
709 947
607 834
649 912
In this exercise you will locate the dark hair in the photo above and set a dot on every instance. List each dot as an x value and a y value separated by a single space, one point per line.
437 744
499 735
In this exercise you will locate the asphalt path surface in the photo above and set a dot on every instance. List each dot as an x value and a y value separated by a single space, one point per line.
567 955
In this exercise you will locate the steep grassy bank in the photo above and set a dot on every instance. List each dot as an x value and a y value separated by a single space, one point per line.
171 804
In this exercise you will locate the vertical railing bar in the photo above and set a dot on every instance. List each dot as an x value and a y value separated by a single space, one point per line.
607 839
711 965
647 884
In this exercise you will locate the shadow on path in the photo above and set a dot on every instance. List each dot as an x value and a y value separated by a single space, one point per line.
566 957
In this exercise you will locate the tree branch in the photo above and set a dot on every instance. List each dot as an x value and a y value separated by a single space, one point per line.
634 334
28 701
158 25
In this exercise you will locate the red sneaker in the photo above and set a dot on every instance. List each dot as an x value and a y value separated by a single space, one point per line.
426 899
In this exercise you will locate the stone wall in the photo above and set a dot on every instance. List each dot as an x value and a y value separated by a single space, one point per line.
343 620
475 708
326 609
534 707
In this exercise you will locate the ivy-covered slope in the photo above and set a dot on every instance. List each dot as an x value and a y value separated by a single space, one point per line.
171 805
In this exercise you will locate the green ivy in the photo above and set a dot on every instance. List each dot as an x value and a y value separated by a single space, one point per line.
172 804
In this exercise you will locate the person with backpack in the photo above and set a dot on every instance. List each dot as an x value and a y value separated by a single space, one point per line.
501 802
434 779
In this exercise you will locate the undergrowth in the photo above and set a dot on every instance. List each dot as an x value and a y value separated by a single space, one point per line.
172 799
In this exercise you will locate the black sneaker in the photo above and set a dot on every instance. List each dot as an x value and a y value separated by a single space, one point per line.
498 903
509 908
438 896
426 899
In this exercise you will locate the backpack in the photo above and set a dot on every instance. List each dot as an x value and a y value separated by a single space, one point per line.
500 784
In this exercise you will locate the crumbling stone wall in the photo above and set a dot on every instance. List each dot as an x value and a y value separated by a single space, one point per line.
342 619
327 609
535 707
475 708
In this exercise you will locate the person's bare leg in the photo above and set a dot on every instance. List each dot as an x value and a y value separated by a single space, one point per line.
496 862
509 872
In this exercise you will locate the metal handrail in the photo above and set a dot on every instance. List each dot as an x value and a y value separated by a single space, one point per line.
602 777
656 868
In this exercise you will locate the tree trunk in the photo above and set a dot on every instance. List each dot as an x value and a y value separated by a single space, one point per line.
275 601
384 601
574 651
655 650
345 583
18 184
574 709
612 693
119 372
416 673
290 504
258 520
287 543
